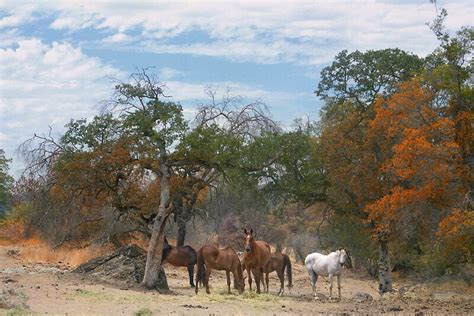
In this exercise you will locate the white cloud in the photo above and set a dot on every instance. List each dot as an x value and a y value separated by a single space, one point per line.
118 38
43 85
275 31
16 16
259 31
167 73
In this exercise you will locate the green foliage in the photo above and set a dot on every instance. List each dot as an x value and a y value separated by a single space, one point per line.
347 230
211 146
19 211
82 136
162 122
143 312
6 183
449 68
293 171
431 264
361 77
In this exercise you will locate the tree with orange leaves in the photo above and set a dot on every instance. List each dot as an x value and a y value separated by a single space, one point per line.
416 167
399 172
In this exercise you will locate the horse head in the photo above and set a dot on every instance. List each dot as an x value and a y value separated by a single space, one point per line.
249 240
344 258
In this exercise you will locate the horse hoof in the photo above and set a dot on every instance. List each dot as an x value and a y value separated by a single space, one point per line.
192 285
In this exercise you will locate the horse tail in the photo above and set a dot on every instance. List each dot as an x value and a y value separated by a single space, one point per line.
287 262
201 269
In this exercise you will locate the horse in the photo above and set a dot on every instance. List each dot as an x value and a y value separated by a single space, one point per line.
326 265
210 257
257 259
279 262
181 257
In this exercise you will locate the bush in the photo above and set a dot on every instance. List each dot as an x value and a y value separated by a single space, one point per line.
303 244
143 312
431 265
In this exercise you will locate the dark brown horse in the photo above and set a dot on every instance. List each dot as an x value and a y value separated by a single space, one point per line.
257 259
181 257
210 257
279 263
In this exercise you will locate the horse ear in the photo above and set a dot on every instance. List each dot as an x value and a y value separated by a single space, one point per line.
245 231
251 231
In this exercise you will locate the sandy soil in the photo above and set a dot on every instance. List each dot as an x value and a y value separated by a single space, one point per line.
34 288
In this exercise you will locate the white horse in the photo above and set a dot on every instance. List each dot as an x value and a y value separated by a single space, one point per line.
326 265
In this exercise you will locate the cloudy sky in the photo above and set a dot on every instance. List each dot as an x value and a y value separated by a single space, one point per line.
57 57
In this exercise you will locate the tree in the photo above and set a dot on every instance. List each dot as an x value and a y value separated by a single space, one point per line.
6 183
449 72
416 167
158 126
141 161
362 77
350 87
293 172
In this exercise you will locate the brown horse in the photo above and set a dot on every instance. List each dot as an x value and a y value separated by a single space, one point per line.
279 262
181 257
210 257
257 259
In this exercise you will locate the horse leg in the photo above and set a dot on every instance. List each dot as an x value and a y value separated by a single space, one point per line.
206 280
281 276
331 279
339 285
256 274
314 279
227 273
191 273
266 278
250 278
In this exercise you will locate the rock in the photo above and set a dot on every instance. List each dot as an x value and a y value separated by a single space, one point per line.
395 309
13 253
361 297
320 297
125 266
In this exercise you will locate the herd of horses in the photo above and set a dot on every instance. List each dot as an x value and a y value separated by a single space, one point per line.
258 260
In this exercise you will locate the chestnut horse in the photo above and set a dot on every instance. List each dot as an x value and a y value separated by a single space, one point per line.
210 257
257 259
279 263
181 257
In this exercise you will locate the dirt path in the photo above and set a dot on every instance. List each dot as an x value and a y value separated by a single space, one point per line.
52 289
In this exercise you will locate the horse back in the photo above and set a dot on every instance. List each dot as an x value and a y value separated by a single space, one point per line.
323 264
181 256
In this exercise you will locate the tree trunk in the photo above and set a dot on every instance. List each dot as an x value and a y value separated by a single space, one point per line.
385 273
181 232
152 278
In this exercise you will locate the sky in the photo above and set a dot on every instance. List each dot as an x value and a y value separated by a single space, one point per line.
57 58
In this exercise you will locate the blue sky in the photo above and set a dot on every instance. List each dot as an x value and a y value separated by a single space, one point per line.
56 57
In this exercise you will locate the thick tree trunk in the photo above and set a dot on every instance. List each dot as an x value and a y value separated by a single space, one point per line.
385 273
181 232
153 270
153 277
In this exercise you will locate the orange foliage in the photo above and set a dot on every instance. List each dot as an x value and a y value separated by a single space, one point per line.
455 233
11 231
417 156
35 250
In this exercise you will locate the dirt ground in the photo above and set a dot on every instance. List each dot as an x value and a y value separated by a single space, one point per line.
39 288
